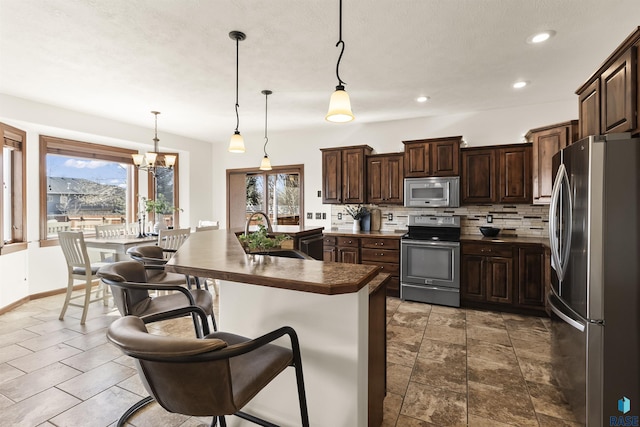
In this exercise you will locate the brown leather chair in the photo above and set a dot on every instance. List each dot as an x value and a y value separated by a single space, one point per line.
214 376
131 288
154 259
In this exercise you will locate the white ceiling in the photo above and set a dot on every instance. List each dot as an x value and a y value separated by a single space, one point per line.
120 59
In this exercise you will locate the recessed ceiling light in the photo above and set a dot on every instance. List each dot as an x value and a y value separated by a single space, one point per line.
520 84
540 37
422 98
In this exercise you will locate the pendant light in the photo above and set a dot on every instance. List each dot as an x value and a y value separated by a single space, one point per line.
265 165
339 105
236 144
152 160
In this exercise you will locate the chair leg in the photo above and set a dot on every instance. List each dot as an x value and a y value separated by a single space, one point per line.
302 395
87 299
68 297
133 409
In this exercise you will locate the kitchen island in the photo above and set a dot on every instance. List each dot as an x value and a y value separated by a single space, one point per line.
326 303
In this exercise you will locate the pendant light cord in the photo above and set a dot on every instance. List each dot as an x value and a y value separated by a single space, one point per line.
266 139
155 138
237 65
340 42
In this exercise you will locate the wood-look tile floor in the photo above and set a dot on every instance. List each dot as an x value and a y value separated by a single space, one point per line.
446 367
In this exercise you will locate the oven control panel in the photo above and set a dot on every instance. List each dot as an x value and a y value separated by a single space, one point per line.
434 221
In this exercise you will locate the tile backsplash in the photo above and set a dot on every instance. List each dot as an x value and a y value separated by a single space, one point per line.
514 220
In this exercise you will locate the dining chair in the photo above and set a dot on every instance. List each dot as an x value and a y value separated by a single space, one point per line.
207 227
214 376
79 267
153 257
133 295
171 240
111 230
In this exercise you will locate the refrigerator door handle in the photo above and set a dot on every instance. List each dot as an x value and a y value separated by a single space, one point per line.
560 260
564 316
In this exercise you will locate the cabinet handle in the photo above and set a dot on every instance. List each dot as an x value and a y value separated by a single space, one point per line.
349 241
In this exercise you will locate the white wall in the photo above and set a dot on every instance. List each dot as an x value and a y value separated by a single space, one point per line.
203 165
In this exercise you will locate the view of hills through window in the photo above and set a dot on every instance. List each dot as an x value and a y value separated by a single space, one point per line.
83 189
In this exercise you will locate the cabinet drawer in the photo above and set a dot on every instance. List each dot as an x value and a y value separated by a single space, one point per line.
329 240
391 268
368 242
379 255
499 250
352 242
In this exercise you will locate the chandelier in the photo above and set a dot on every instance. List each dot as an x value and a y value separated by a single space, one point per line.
152 160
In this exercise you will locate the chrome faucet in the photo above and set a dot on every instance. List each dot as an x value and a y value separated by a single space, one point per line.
264 215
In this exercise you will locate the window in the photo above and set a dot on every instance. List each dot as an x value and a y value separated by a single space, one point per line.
13 199
277 192
83 185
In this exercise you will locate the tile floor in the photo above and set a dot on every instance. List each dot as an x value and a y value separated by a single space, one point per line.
446 367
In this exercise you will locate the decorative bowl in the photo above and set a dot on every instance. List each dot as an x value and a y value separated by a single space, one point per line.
489 231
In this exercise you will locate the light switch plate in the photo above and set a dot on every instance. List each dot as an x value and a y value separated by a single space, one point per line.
324 215
390 216
309 215
489 219
318 215
339 215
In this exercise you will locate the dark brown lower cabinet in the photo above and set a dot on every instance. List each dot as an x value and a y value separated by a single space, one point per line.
505 276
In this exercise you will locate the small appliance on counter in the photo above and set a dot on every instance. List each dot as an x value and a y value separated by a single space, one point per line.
430 260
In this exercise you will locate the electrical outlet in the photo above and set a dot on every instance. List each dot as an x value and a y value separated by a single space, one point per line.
318 215
309 215
324 215
390 216
319 193
489 219
339 215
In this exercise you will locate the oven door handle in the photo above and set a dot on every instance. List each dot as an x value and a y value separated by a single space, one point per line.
431 243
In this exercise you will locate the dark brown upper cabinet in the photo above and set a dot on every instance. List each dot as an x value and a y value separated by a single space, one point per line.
385 178
546 142
610 99
343 174
496 174
432 157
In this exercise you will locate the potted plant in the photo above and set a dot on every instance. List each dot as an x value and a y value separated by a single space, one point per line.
357 213
160 207
259 240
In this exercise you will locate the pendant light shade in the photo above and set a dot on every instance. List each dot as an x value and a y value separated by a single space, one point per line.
340 104
236 144
265 165
339 107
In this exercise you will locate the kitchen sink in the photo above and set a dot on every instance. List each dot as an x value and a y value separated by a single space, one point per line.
285 253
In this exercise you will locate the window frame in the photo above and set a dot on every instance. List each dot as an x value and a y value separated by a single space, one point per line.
17 140
88 150
243 172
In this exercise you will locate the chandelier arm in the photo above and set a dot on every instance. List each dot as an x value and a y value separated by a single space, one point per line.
340 82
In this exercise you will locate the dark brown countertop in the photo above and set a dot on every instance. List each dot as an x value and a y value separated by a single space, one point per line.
505 239
218 254
350 233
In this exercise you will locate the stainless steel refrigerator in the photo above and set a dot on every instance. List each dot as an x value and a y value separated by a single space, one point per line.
594 225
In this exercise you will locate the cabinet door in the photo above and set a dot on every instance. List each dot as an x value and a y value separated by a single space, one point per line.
515 174
589 106
472 285
349 255
499 279
531 276
417 160
479 175
332 176
445 158
617 83
375 185
353 164
545 145
329 253
392 178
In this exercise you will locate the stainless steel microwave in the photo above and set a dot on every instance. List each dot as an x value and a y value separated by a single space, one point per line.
433 192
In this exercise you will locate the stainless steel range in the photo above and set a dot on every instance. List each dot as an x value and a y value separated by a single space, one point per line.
430 260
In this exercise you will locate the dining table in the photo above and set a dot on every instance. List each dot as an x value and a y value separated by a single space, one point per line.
118 245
